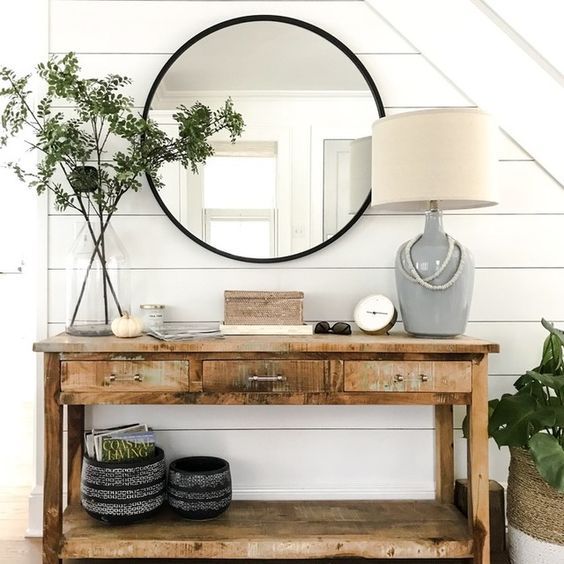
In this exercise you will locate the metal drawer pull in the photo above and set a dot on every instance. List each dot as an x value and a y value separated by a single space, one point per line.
424 378
136 378
399 378
277 378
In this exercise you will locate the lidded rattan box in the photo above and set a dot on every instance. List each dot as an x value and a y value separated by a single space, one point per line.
263 308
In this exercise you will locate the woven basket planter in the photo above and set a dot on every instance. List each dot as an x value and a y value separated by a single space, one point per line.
123 492
535 512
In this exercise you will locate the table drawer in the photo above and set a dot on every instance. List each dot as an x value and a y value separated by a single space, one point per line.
125 375
264 376
407 376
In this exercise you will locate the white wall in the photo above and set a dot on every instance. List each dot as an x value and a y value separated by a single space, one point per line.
22 218
316 451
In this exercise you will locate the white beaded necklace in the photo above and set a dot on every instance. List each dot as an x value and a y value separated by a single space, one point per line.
411 272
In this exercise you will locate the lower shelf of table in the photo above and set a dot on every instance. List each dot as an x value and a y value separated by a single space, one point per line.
280 529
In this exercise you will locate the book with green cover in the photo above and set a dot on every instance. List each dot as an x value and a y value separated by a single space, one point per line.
92 438
132 446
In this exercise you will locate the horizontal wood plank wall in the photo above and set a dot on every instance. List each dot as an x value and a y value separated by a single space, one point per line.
311 450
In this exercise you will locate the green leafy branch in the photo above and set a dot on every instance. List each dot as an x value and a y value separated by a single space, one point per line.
75 141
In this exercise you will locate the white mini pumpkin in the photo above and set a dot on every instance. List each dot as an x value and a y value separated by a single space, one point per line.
127 326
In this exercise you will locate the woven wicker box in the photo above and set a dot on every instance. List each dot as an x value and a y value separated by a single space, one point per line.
263 308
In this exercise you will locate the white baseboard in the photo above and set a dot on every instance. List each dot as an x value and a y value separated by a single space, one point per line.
35 513
414 490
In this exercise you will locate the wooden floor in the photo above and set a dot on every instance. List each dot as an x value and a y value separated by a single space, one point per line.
15 549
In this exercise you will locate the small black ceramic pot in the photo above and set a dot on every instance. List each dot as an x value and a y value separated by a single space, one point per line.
199 487
123 492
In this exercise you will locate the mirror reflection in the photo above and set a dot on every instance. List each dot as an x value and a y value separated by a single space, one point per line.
286 185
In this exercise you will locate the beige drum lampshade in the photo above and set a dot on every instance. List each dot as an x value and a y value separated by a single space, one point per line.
448 155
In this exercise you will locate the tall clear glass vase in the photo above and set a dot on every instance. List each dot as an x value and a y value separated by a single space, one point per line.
97 285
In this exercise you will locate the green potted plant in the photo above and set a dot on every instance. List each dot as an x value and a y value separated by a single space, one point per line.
531 423
91 153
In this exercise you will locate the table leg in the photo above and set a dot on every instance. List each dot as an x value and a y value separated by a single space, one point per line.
75 445
53 468
478 480
444 454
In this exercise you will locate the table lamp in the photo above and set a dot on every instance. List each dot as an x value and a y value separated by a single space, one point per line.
434 160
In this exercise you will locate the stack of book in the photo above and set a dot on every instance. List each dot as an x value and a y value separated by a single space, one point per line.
120 444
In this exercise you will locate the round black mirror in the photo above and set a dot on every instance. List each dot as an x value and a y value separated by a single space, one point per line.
286 187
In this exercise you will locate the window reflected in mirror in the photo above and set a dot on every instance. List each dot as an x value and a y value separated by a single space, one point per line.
239 199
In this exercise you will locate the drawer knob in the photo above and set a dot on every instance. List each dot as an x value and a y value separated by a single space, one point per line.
114 378
276 378
399 378
424 378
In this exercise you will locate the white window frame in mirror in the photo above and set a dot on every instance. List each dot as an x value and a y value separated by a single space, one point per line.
268 215
318 137
259 136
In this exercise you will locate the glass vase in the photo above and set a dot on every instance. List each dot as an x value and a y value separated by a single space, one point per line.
97 285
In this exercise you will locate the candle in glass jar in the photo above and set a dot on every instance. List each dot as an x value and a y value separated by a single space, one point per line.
153 316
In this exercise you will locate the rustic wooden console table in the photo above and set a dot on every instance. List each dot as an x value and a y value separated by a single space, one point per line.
317 370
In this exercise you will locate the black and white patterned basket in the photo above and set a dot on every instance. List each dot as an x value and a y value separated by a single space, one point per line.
123 492
199 487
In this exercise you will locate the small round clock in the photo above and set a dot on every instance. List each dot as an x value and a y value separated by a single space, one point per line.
375 314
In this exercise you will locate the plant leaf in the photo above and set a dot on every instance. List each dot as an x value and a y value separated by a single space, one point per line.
528 385
551 361
491 406
549 459
558 414
550 327
510 423
549 380
543 417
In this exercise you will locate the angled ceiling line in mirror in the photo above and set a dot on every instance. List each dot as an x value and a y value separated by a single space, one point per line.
283 190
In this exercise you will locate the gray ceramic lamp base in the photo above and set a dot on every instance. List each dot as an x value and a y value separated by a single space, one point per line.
439 313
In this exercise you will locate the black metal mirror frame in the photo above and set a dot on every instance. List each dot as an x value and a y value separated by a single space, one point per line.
263 18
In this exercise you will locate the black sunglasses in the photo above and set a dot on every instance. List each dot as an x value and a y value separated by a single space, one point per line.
339 328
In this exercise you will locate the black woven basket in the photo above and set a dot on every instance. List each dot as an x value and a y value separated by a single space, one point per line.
123 492
199 487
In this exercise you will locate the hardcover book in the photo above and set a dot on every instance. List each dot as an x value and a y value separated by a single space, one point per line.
303 329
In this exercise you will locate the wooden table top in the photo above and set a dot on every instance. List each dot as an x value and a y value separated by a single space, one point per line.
357 342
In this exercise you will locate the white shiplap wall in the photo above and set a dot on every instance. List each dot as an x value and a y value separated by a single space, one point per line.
316 451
